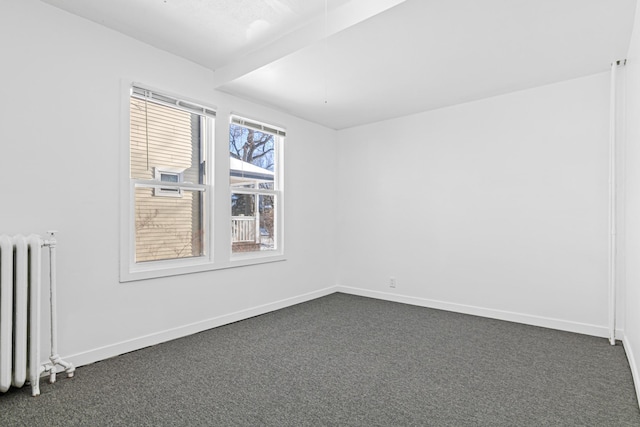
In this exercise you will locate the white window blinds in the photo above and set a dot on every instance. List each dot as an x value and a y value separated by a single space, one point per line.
251 124
150 95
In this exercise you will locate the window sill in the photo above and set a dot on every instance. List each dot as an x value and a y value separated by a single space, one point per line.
158 269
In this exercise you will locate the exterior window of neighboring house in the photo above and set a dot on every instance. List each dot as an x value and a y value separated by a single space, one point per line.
255 164
165 175
169 185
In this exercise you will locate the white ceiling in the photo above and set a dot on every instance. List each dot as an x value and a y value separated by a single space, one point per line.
360 61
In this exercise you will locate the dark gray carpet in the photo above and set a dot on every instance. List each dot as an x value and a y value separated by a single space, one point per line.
345 360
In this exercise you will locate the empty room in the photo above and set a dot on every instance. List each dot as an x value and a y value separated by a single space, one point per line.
320 212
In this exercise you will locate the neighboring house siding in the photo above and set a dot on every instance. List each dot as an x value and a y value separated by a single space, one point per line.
166 227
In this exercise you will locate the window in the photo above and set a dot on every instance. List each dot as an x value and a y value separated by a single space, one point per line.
255 168
168 144
172 222
165 175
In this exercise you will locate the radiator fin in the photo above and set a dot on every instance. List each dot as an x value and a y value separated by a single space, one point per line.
20 280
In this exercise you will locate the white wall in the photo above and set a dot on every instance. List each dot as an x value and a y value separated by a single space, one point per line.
59 165
632 204
496 207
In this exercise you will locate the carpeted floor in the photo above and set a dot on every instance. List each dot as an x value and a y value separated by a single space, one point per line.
344 360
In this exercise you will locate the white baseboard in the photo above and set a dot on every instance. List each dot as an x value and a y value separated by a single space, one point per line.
545 322
105 352
633 364
111 350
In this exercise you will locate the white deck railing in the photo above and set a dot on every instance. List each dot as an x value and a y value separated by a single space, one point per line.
243 229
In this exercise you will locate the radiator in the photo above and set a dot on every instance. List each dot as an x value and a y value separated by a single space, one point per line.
20 312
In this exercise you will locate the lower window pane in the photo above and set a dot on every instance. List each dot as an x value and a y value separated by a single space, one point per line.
168 227
267 207
252 224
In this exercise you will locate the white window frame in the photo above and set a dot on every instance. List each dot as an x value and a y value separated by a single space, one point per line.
278 192
129 269
217 210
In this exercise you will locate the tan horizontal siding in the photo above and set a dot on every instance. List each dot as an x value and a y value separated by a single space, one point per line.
166 227
167 142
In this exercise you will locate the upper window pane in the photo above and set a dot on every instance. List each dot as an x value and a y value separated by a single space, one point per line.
252 157
166 139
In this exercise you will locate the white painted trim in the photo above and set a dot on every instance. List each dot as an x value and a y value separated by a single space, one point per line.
612 207
633 364
111 350
105 352
545 322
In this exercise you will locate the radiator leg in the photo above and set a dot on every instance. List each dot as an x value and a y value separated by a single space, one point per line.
35 379
52 376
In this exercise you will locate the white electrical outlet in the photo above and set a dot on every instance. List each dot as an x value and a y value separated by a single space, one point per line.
392 282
